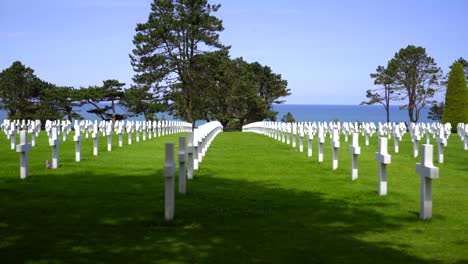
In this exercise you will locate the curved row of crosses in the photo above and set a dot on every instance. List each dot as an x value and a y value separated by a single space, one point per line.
288 132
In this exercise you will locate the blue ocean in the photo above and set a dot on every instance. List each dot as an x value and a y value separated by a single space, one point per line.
346 113
303 113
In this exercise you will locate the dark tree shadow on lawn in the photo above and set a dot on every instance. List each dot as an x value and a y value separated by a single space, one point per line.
90 218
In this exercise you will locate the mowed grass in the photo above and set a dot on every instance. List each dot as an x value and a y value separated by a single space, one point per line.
253 200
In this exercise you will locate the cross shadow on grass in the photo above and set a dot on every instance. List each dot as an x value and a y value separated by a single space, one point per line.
88 218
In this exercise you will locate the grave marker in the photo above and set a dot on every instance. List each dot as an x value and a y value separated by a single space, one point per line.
23 148
12 135
321 141
182 172
54 141
109 136
169 170
294 132
336 146
190 155
310 138
442 141
355 151
384 159
95 136
301 137
77 139
416 137
428 172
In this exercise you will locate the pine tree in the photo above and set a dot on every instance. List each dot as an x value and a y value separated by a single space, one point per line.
456 97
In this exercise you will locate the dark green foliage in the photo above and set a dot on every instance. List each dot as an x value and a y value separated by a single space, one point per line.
140 100
288 117
59 102
416 77
235 92
100 96
176 31
436 112
25 96
385 93
20 91
456 97
464 63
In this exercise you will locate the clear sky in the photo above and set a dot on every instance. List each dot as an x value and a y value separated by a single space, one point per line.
325 49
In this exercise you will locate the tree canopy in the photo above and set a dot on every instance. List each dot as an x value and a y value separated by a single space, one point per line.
410 75
234 91
384 94
19 91
176 31
288 118
456 97
180 63
25 96
103 99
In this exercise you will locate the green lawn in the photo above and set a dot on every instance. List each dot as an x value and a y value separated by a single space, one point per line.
254 200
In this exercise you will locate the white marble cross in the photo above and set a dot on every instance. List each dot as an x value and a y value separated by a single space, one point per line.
12 135
367 133
129 131
34 132
466 137
416 138
428 172
335 146
109 135
95 136
396 140
442 142
54 142
321 141
120 132
283 132
137 131
190 155
23 148
301 137
355 151
150 129
169 170
294 132
182 171
195 148
77 138
384 159
309 138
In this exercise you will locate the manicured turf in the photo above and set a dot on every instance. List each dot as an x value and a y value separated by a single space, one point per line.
254 200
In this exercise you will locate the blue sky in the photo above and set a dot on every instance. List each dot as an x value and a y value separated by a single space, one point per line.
325 49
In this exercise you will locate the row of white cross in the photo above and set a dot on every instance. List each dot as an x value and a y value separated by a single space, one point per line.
286 132
198 143
107 129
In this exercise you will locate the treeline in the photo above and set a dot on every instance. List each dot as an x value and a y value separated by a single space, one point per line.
25 96
413 77
181 67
